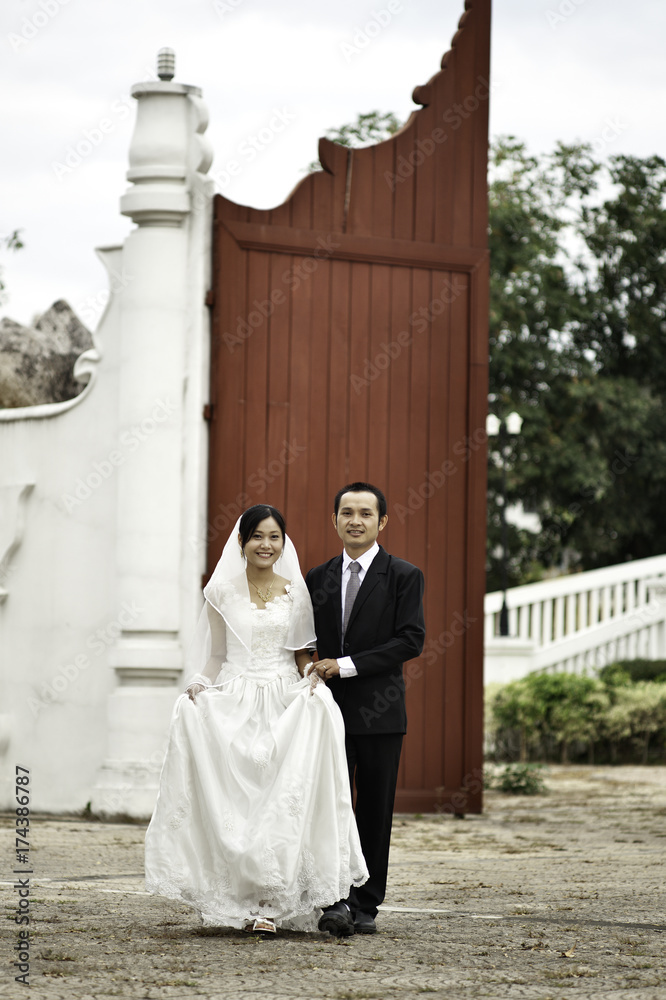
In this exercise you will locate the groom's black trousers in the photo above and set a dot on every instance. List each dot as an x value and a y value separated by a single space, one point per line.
373 763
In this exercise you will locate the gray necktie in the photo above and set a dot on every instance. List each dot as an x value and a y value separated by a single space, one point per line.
350 594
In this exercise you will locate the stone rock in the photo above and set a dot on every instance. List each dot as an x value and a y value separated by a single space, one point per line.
37 363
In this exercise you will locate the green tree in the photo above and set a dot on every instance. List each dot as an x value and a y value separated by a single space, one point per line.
625 331
534 301
576 324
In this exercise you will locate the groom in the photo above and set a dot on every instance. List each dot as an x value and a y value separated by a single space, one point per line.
368 619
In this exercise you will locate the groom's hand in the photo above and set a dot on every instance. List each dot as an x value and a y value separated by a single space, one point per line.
327 668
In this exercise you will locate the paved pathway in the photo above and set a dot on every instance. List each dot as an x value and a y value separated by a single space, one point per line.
546 898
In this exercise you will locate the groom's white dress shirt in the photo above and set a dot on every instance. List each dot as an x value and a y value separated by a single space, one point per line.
346 664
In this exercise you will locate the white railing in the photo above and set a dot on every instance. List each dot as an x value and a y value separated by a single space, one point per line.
578 622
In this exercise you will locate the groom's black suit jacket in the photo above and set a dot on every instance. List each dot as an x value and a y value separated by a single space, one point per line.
385 629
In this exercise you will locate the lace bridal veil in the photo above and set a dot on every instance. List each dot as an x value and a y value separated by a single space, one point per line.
227 602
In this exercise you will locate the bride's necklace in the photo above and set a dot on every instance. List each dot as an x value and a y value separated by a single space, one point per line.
264 596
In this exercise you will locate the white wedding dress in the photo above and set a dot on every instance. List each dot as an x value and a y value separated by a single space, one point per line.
254 812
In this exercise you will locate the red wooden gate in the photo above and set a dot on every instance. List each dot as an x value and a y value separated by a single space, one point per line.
349 341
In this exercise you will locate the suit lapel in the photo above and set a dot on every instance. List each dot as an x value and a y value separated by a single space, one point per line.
334 588
377 568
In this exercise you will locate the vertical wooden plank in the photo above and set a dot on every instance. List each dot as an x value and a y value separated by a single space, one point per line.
256 322
444 194
423 488
301 418
466 106
327 211
383 330
424 155
329 193
454 288
322 542
360 217
385 182
310 293
358 441
475 556
398 428
479 213
433 333
374 382
403 196
279 364
399 413
337 465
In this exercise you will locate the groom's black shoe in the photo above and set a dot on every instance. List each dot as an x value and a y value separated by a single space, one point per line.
364 923
337 920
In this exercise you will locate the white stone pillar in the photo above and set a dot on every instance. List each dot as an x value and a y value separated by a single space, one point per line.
161 482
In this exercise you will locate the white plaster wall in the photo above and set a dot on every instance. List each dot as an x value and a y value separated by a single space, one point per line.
61 601
107 567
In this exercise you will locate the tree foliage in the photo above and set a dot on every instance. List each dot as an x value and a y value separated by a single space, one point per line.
578 348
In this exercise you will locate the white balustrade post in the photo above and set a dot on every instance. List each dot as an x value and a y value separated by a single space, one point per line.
656 589
162 376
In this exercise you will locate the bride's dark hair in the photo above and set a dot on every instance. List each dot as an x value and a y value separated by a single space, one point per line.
254 515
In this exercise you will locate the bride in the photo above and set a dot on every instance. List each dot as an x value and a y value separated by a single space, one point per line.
253 825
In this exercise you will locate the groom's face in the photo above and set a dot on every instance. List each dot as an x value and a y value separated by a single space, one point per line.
358 522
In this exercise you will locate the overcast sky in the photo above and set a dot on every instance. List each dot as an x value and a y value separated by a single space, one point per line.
562 69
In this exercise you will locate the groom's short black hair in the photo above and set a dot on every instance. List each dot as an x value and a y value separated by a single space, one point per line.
361 488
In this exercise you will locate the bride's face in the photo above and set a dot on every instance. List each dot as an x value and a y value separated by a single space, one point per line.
264 545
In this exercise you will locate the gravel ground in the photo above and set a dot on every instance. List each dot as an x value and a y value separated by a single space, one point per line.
552 897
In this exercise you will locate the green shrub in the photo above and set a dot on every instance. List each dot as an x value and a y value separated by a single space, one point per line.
635 670
639 713
548 710
613 676
514 708
522 779
615 715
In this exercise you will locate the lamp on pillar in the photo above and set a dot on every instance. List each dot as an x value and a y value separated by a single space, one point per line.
166 65
504 429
